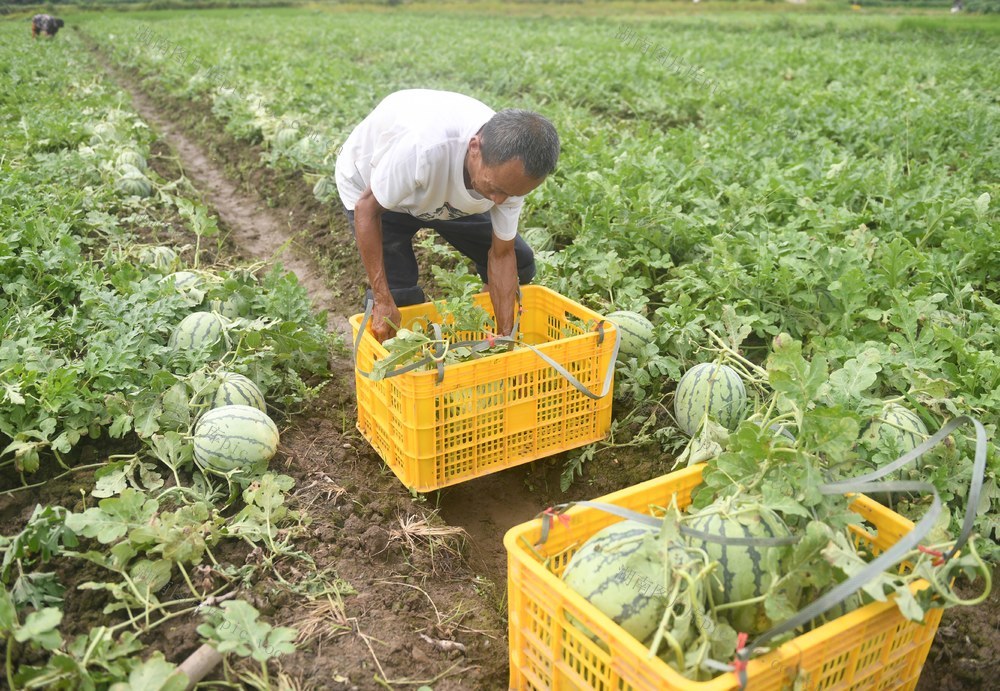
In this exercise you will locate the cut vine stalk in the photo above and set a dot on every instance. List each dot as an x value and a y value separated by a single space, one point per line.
757 369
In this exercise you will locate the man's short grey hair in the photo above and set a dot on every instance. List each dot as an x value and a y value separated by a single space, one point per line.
524 135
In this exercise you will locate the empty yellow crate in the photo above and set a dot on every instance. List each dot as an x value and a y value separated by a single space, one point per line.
873 647
494 412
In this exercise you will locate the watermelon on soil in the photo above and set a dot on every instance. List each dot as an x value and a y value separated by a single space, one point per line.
902 426
134 185
161 257
286 138
713 388
130 157
538 239
197 330
235 437
636 332
236 389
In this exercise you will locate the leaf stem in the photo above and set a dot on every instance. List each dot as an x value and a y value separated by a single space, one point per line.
10 661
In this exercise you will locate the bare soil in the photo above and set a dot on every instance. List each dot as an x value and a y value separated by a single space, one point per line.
424 609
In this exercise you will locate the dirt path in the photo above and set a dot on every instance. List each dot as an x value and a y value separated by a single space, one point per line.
487 507
259 231
361 535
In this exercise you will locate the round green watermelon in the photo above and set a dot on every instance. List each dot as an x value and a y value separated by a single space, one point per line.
616 572
324 189
902 427
636 332
713 389
538 239
134 185
127 170
104 132
160 258
741 573
235 438
236 389
232 307
184 281
130 157
286 137
197 330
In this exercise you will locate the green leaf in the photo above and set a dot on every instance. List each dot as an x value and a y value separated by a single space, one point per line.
111 479
776 500
40 627
789 372
856 376
982 204
147 411
150 575
176 413
37 590
8 613
113 517
832 430
172 449
155 674
780 605
182 534
239 630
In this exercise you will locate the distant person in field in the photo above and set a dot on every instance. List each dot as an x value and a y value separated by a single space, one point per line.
46 25
441 160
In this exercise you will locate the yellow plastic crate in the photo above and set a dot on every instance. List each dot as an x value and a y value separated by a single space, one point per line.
873 647
491 413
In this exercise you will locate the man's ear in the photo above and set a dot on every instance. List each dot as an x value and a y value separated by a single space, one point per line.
475 145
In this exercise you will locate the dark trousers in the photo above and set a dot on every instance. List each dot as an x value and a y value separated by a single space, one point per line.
470 235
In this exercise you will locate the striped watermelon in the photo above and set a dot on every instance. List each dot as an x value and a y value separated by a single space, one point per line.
189 284
130 157
197 330
538 239
617 573
104 132
134 185
232 307
901 426
235 438
325 189
160 258
636 332
712 388
127 170
235 389
286 138
741 572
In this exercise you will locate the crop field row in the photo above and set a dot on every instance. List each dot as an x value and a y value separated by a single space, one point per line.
809 198
830 178
103 263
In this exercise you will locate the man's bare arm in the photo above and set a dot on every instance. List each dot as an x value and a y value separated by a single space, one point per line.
502 274
368 232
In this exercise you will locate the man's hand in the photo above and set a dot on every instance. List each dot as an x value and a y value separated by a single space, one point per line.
384 316
502 274
368 233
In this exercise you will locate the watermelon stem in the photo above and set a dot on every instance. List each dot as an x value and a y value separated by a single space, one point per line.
946 593
756 369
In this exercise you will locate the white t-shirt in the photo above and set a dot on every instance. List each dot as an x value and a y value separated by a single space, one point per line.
411 150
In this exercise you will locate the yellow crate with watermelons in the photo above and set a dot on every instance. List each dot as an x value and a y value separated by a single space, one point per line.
463 420
583 612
